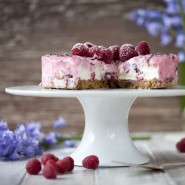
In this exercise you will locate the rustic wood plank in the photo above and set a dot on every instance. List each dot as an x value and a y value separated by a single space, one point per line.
165 152
102 176
12 172
78 177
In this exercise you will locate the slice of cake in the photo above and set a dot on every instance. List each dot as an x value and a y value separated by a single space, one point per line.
76 72
148 71
96 67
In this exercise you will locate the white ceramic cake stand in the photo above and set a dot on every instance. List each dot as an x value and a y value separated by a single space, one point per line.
106 131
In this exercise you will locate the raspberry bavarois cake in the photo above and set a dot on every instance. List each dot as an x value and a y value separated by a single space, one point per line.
96 67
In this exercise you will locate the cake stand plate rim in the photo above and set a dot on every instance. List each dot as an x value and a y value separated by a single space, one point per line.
38 91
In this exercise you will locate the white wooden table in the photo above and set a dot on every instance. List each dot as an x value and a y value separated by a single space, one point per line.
160 149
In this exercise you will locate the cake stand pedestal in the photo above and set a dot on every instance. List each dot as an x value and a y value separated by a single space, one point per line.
106 132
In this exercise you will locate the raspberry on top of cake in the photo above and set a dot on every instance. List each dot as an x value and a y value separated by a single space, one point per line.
92 67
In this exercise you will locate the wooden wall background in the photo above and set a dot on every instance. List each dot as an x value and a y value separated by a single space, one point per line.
32 28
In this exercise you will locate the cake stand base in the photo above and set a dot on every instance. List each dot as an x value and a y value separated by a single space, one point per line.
106 132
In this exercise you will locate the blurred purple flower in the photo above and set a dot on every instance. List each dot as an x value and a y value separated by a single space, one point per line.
141 16
167 24
50 139
13 156
34 130
166 38
59 123
145 13
153 14
172 7
3 126
180 40
26 144
20 131
140 21
138 16
181 55
172 21
18 144
7 145
154 28
140 12
183 4
69 143
25 140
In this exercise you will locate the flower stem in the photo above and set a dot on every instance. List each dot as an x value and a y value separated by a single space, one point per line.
79 137
147 137
182 14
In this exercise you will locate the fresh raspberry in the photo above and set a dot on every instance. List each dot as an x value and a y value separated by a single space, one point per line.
51 161
63 166
181 145
107 56
142 48
49 171
71 161
99 52
88 44
90 162
104 54
126 52
115 50
47 157
92 51
80 50
33 166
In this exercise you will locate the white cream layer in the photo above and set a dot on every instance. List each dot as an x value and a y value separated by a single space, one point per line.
65 71
149 67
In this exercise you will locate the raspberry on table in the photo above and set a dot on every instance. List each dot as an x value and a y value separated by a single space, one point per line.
71 161
115 50
63 166
142 48
47 157
181 145
49 171
80 50
51 161
126 52
90 162
33 166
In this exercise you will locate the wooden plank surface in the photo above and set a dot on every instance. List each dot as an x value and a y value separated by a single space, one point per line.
160 149
12 172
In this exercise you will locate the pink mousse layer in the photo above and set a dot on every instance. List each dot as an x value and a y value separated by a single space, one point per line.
65 71
148 67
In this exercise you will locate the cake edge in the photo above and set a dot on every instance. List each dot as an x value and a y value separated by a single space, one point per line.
116 84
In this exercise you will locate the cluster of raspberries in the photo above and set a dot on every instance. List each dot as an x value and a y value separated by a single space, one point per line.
52 165
112 53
